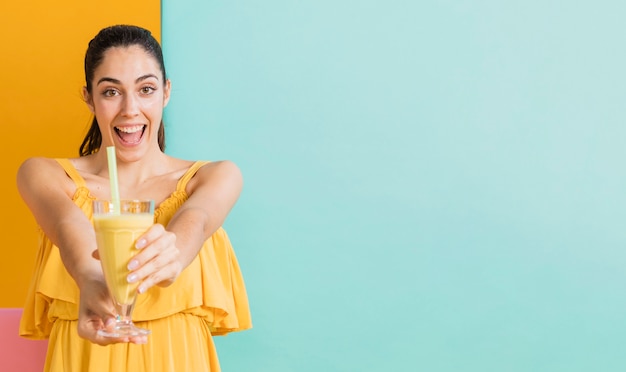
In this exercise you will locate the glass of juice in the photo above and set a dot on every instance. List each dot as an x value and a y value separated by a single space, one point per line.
116 234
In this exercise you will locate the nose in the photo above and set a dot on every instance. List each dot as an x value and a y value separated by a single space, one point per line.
130 105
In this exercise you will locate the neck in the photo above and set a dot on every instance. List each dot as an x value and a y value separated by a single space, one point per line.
134 171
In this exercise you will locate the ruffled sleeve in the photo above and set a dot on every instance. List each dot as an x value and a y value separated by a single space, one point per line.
53 293
223 290
34 323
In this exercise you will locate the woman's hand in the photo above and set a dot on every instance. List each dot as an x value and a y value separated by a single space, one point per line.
97 312
157 262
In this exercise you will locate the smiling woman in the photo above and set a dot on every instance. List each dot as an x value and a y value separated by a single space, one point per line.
184 266
130 93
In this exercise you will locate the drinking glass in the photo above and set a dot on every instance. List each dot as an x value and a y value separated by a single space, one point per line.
116 234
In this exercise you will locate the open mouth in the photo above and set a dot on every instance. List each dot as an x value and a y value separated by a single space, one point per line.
130 135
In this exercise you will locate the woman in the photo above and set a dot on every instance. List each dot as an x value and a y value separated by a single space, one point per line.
189 281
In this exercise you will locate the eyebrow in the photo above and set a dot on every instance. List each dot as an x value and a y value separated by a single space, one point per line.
138 80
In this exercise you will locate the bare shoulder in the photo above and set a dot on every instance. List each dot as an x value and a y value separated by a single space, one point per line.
223 172
38 172
36 166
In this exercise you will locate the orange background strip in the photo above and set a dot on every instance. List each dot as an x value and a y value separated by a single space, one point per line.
41 110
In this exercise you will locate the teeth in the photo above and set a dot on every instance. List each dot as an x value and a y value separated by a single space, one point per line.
133 129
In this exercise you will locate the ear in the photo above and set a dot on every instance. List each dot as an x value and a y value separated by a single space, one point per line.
88 100
167 88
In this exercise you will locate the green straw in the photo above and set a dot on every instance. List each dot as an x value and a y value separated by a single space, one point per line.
115 188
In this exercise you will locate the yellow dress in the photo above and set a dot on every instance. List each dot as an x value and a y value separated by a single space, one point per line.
207 299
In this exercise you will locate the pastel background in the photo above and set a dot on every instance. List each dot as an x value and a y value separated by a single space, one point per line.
429 186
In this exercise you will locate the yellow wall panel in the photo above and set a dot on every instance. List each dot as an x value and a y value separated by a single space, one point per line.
41 112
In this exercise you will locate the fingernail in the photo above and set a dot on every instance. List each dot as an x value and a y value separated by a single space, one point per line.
141 289
140 243
131 278
133 264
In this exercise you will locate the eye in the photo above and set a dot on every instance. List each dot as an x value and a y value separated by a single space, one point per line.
110 92
147 90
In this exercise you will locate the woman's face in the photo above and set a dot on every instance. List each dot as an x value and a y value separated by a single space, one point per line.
128 96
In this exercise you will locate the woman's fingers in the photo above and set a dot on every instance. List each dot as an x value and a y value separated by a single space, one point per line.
90 323
157 261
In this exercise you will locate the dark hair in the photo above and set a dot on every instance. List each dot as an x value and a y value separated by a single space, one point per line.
110 37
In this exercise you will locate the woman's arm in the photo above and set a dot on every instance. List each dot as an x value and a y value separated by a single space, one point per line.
167 251
47 190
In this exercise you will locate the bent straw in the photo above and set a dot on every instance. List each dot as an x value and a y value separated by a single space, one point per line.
115 188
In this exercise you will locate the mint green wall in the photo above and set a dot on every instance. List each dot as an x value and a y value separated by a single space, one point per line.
430 185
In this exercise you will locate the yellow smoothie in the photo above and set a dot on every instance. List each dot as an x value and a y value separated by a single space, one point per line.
116 236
